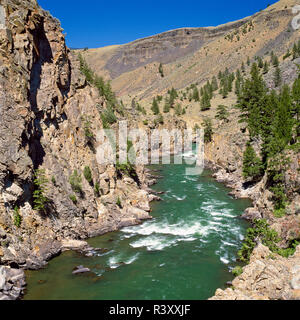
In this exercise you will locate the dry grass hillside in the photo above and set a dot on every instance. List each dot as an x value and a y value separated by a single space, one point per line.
193 55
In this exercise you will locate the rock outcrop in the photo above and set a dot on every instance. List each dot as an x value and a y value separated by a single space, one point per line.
268 276
43 102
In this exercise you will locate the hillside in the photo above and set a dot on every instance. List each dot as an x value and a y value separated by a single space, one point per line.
193 55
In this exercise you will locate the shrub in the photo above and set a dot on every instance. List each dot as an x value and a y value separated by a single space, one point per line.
40 183
73 198
208 131
237 271
119 203
88 174
222 113
97 188
75 182
17 217
87 127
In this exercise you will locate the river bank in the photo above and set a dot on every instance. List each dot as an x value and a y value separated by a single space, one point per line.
187 247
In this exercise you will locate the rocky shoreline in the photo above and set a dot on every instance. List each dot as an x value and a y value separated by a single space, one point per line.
268 276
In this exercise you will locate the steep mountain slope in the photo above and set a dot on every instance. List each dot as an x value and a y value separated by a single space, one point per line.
192 55
52 189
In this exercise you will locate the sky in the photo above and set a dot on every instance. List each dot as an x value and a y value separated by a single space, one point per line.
98 23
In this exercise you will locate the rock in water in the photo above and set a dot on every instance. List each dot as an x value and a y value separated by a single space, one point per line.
81 269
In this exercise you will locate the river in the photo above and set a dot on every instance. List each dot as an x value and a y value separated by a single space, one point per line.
186 252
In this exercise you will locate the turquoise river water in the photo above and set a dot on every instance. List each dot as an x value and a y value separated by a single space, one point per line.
186 252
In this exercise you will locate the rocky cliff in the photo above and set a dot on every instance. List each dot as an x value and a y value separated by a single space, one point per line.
44 100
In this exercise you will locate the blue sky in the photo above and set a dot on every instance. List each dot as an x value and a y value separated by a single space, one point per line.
97 23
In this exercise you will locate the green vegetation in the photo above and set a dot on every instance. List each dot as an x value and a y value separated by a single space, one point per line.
17 217
277 77
75 182
222 113
108 117
296 50
237 271
208 130
119 203
161 70
97 189
273 119
88 174
87 128
262 232
159 119
73 198
39 195
178 109
105 90
155 107
252 165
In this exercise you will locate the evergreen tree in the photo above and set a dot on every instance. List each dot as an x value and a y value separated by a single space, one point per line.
243 68
266 68
160 70
296 105
222 113
260 63
275 61
196 94
277 77
166 106
205 102
252 101
252 165
208 130
214 84
155 107
248 61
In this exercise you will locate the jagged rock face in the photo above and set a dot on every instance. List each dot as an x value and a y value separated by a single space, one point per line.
267 277
165 47
42 99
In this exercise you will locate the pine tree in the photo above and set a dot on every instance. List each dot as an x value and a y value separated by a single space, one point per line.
277 77
248 61
252 101
266 68
252 165
166 106
155 107
296 104
260 63
275 61
222 113
196 94
243 68
205 102
160 70
214 84
208 130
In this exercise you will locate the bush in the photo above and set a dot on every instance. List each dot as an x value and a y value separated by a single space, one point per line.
87 128
208 131
40 183
88 174
17 217
119 203
237 271
97 188
75 182
73 198
222 113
